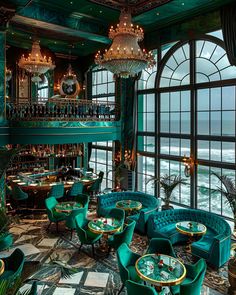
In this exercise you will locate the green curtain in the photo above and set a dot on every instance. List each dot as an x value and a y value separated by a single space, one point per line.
228 21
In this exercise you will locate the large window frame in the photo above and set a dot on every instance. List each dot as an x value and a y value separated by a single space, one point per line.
192 86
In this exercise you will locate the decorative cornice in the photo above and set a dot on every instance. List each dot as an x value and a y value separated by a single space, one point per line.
5 16
136 6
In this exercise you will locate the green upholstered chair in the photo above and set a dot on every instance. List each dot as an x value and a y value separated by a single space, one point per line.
6 240
53 215
118 214
77 188
100 175
125 236
193 281
161 246
126 263
85 236
70 219
18 194
138 289
13 267
95 187
57 191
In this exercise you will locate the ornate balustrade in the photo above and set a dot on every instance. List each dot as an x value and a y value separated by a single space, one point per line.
63 110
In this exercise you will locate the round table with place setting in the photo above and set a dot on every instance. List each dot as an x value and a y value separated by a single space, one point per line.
67 207
129 205
160 270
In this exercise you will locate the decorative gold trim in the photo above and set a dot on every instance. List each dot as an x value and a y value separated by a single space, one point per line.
191 234
2 268
102 231
129 209
161 283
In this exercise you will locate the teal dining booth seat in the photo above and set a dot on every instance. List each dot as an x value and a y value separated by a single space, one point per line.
13 267
134 288
124 236
161 246
53 215
214 246
192 284
57 191
126 263
85 236
150 204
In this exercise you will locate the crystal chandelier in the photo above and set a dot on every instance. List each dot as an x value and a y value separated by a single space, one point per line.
125 58
35 63
69 78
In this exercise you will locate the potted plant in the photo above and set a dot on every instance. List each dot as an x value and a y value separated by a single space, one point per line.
229 191
168 183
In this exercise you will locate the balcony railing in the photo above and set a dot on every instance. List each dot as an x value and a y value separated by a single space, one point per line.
68 110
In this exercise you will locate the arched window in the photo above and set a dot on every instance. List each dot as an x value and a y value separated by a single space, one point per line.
43 90
194 106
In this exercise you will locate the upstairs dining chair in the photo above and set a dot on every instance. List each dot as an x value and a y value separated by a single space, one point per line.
134 288
77 188
125 236
85 236
193 281
13 268
94 188
100 175
57 191
126 263
53 215
161 246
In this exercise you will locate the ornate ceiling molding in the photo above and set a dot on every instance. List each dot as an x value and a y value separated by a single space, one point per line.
136 6
5 16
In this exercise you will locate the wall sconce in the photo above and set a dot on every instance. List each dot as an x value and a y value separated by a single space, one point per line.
189 165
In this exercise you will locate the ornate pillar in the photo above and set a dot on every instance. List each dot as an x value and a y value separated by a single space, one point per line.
5 15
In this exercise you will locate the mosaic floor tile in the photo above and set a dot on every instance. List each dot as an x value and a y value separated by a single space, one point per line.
24 238
73 280
48 242
64 291
96 279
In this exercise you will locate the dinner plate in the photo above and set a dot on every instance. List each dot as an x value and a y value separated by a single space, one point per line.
21 183
16 180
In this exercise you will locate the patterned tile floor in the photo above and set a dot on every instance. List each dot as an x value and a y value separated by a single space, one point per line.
92 277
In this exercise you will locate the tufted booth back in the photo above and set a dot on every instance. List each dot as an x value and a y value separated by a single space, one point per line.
215 222
109 200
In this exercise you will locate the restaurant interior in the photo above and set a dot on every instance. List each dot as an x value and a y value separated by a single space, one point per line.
117 147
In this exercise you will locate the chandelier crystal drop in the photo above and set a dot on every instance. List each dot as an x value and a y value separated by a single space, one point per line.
124 58
35 63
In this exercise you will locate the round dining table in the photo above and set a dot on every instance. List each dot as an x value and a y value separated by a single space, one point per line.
160 270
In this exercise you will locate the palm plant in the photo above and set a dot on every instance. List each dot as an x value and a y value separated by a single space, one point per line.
229 191
168 183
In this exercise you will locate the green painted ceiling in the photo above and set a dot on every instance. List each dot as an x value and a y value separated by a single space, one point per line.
85 24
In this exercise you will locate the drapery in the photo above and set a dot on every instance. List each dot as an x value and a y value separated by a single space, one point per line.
228 21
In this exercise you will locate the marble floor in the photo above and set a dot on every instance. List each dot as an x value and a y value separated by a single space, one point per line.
43 249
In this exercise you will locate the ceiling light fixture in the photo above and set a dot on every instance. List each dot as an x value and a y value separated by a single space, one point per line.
124 57
35 63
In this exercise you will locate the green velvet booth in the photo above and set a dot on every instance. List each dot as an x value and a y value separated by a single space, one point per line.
6 240
161 246
13 267
124 236
53 215
76 189
57 191
126 263
150 204
214 246
138 289
85 236
192 284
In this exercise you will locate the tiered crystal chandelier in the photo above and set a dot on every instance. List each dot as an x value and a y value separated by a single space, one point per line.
35 63
125 58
